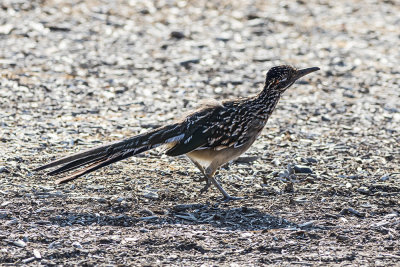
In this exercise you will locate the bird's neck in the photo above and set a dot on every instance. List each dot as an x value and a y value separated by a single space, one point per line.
266 101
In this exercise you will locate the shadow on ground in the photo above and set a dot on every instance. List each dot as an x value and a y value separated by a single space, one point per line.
243 218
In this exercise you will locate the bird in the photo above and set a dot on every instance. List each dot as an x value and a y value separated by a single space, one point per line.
210 136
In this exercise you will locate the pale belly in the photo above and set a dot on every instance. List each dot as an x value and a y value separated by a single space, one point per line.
219 157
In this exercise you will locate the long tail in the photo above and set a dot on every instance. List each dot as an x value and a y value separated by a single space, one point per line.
106 154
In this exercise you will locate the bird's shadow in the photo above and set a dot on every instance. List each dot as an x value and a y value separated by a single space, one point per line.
242 219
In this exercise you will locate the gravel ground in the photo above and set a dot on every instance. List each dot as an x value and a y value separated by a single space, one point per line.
75 74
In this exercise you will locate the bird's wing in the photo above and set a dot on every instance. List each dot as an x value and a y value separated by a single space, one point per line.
212 128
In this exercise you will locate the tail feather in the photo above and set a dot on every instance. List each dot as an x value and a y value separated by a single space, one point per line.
95 166
76 164
99 164
79 155
106 154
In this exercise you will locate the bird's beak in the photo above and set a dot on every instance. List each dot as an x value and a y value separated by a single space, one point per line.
303 72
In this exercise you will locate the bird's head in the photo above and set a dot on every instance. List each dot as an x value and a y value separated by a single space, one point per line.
281 78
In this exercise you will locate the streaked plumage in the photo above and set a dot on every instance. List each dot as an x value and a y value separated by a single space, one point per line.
210 136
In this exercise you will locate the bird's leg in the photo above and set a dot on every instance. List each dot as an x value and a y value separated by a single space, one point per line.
209 172
204 178
197 164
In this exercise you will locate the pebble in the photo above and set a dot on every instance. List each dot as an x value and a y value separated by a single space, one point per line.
312 160
302 169
380 224
306 224
6 29
12 221
363 190
102 200
76 244
391 215
385 178
147 212
276 162
28 260
19 243
177 35
4 214
352 211
325 118
187 62
3 169
37 254
151 195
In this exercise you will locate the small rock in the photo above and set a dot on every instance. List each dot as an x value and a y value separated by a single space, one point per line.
246 235
302 169
352 211
276 162
6 29
19 243
131 239
187 62
224 37
381 223
36 253
325 118
76 244
4 169
306 224
177 35
363 190
312 160
391 215
12 222
43 222
147 212
28 260
151 195
384 178
102 200
342 237
95 187
4 214
54 245
172 257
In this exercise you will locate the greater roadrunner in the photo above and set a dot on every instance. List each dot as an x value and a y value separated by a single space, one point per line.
211 136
